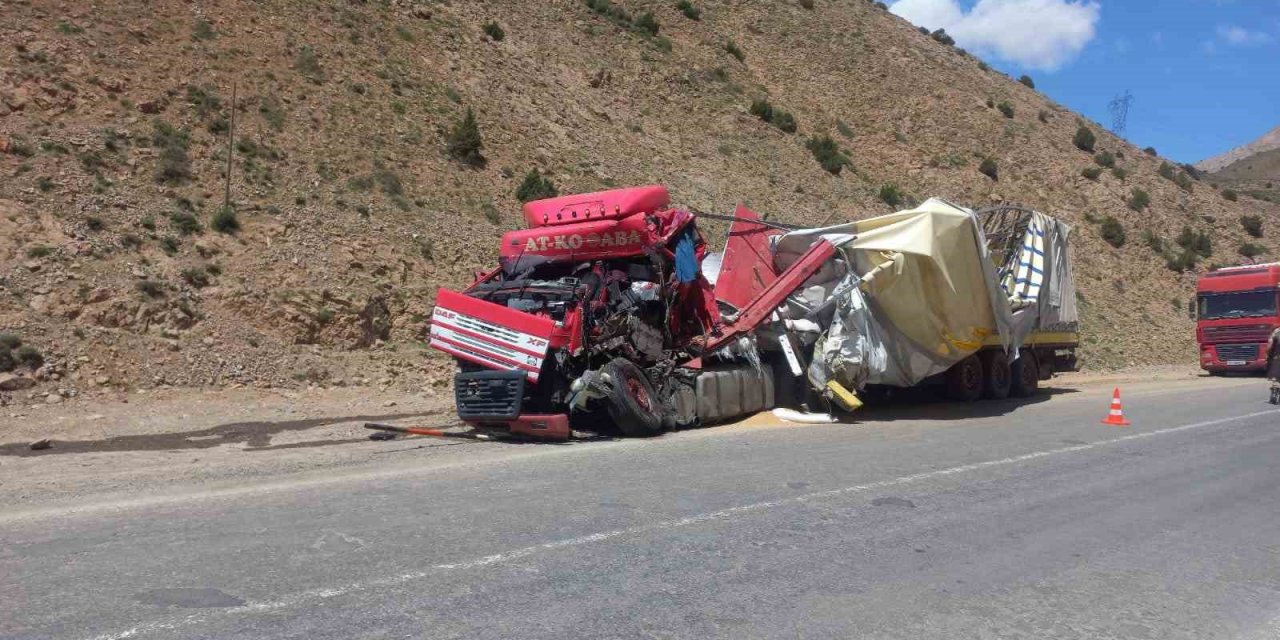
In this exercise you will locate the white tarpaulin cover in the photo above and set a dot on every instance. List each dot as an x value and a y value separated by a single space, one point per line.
919 294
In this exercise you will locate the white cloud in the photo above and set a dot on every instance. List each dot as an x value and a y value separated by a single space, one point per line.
1242 37
1038 34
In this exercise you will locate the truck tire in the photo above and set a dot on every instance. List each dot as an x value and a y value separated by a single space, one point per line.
996 377
964 379
632 402
1025 374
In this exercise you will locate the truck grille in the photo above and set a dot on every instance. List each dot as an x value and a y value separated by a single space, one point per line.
1244 333
1238 352
489 395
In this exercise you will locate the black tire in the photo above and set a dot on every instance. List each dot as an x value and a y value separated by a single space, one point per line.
964 379
1025 375
632 402
996 376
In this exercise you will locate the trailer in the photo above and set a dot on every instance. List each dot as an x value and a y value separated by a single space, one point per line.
609 313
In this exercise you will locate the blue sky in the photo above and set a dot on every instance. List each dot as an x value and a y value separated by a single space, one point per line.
1204 74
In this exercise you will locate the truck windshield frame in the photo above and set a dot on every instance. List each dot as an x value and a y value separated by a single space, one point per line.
1258 303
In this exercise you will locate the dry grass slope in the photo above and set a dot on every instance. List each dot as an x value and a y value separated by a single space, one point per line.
349 208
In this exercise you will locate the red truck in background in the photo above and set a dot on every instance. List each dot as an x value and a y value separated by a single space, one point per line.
1237 309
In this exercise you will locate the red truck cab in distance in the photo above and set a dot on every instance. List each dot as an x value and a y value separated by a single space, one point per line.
1237 309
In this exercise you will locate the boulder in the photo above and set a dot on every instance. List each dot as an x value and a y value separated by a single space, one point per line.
11 382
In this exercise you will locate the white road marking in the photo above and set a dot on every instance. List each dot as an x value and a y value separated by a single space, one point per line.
516 554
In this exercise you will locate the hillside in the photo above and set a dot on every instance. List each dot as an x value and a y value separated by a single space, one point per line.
1269 141
351 211
1256 175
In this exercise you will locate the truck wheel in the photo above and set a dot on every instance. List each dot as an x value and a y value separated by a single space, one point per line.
633 405
964 379
996 377
1025 373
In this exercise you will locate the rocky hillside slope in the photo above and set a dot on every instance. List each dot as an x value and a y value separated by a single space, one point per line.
1268 142
118 269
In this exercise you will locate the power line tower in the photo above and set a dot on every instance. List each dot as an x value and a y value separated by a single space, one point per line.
1119 107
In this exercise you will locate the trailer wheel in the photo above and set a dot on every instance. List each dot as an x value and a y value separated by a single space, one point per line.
964 379
633 404
1025 372
996 377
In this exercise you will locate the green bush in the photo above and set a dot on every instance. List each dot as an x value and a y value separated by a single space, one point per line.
777 117
1165 171
1112 231
646 23
1252 225
989 169
1151 151
1043 116
9 341
185 223
169 245
198 278
6 361
1251 250
1119 173
828 154
307 64
941 36
203 30
1230 194
1026 80
1091 173
1197 241
732 48
784 121
39 251
1105 159
1006 109
982 66
494 31
1153 241
464 142
28 355
1180 261
225 221
890 195
536 187
1084 139
150 288
174 165
1139 199
691 12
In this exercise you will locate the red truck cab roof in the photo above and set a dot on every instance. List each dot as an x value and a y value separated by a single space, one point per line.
1242 278
601 205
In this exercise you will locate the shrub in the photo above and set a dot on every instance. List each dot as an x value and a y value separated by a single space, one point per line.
691 12
203 30
1105 159
39 251
844 129
1180 261
732 48
324 316
95 223
130 241
762 109
1119 173
941 36
464 141
1139 199
169 245
225 221
185 223
1153 241
307 64
777 117
1252 225
1091 173
150 288
1084 139
1112 231
9 341
1026 80
1165 171
982 66
174 166
924 30
197 278
1197 241
827 153
989 169
28 355
1251 250
490 213
646 23
1151 151
494 31
6 361
536 187
1230 194
1191 170
807 4
784 120
1043 116
890 195
1006 109
45 184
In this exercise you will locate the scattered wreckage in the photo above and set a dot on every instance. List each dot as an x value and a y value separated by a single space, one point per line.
609 312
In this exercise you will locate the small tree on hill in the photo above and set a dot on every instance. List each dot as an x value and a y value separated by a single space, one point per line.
536 187
1084 139
464 141
988 168
1026 80
1112 231
1252 225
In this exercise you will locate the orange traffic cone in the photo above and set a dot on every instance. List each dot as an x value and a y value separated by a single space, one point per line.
1116 417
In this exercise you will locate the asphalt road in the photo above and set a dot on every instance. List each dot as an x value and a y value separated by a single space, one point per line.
941 521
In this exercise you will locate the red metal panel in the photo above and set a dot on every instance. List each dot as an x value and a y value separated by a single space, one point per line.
582 241
490 335
747 267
